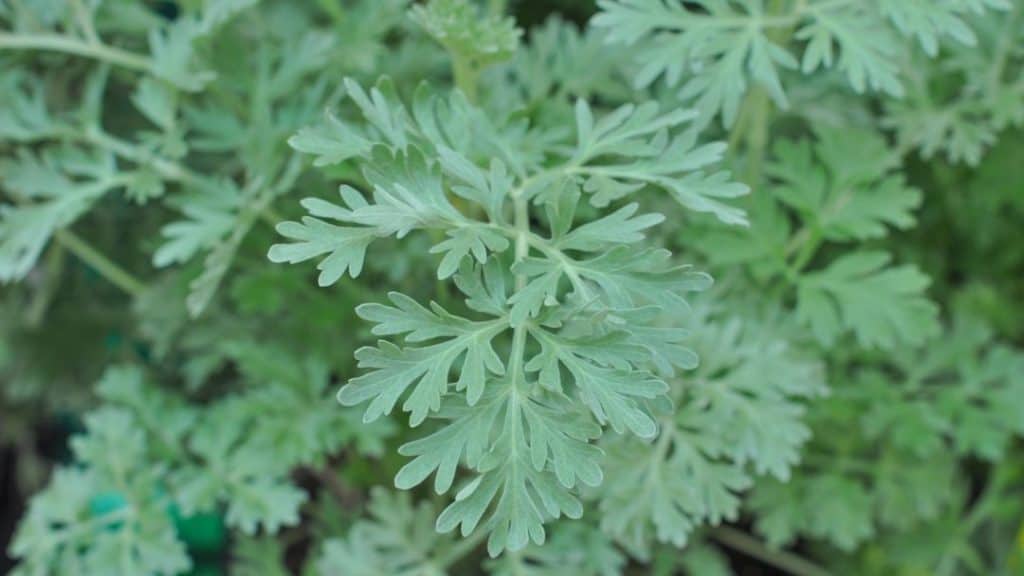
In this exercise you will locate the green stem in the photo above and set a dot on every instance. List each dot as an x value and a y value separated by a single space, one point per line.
544 246
101 264
785 561
755 116
84 18
757 135
466 76
739 127
808 245
661 449
461 548
69 45
981 510
522 224
42 298
270 216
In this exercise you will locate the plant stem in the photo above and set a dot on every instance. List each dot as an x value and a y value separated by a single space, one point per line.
979 513
101 264
461 548
271 216
785 561
808 247
757 135
755 115
739 126
465 76
69 45
44 296
522 224
84 18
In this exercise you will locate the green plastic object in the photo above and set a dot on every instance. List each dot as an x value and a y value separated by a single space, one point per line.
202 533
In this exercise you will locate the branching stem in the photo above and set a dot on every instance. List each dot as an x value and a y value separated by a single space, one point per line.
74 46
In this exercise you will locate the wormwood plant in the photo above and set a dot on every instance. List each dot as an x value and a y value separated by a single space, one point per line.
513 233
577 307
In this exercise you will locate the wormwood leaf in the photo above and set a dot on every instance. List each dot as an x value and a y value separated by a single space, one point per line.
458 26
462 242
929 22
452 169
714 49
629 148
750 392
575 546
237 453
209 216
569 373
258 556
107 516
882 306
552 432
846 187
313 237
397 538
623 277
23 113
866 52
407 195
834 507
962 122
714 45
221 230
157 102
173 48
974 380
332 142
173 56
548 62
425 368
884 412
612 393
619 227
740 414
667 344
54 189
255 497
466 435
681 488
487 189
630 278
387 118
527 498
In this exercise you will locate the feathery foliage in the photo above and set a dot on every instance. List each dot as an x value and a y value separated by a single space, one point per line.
383 287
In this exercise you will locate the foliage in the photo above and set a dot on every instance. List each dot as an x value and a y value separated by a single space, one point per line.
495 246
